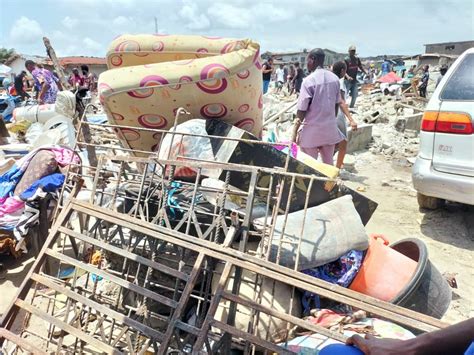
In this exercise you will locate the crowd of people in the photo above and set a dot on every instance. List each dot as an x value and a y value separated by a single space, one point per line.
45 84
325 96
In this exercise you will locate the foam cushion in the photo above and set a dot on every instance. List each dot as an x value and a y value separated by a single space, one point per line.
151 76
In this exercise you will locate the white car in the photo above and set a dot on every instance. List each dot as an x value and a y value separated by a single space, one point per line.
444 167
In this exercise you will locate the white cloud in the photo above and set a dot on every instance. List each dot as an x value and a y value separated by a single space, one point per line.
92 45
70 22
195 20
26 31
231 16
121 21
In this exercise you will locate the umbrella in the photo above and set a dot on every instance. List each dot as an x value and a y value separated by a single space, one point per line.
390 78
4 69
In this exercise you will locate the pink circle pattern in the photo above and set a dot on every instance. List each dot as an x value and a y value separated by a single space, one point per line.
244 74
103 90
130 134
151 120
117 116
116 60
260 101
128 46
150 80
158 46
182 80
213 110
243 108
256 60
202 50
246 124
230 47
217 72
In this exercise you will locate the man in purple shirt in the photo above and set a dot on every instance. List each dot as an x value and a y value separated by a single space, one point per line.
45 82
316 121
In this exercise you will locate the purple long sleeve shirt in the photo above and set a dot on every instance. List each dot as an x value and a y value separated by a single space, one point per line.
319 95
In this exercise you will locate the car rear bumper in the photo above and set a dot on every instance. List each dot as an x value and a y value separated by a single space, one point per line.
451 187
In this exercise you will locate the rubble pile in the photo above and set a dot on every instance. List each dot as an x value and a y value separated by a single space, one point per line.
196 236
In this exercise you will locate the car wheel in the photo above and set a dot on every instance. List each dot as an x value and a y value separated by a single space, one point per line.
429 202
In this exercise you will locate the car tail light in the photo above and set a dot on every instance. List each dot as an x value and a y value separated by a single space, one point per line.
447 122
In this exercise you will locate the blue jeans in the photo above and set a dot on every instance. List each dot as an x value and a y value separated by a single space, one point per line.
266 83
352 88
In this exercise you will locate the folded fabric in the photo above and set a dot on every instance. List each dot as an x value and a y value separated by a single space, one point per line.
48 183
42 164
341 271
9 180
9 205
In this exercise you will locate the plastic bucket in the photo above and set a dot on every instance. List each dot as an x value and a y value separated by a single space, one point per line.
35 113
427 292
385 272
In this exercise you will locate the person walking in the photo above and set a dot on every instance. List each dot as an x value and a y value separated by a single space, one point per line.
315 129
353 64
267 70
424 81
386 68
298 79
280 78
442 72
45 83
339 68
289 79
20 85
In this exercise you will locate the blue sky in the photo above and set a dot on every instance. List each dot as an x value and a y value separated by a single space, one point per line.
85 27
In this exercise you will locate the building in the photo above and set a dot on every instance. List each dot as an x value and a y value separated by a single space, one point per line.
300 57
450 48
96 65
17 62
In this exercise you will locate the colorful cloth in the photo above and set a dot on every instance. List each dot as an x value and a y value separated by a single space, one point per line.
42 164
50 183
340 272
45 77
9 180
9 205
319 95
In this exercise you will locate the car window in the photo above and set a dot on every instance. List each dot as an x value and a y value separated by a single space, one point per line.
460 85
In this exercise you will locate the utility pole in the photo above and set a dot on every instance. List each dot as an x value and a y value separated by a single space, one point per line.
156 25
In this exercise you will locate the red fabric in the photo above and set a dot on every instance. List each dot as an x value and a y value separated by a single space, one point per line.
389 78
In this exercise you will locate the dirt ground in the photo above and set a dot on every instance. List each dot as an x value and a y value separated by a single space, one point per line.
448 232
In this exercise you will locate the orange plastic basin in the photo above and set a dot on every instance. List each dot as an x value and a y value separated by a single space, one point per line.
384 272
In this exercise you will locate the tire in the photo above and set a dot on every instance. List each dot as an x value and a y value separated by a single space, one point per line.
428 202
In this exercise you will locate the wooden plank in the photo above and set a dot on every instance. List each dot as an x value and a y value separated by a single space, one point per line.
178 312
286 317
153 334
9 315
57 66
67 328
126 254
121 282
251 338
277 272
212 308
21 342
187 328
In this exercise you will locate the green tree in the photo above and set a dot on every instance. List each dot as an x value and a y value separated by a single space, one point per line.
5 54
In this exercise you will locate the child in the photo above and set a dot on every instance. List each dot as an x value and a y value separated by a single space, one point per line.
339 69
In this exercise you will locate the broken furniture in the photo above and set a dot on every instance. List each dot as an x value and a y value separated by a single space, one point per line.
151 76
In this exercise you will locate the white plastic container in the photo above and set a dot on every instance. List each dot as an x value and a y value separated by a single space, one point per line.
36 113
